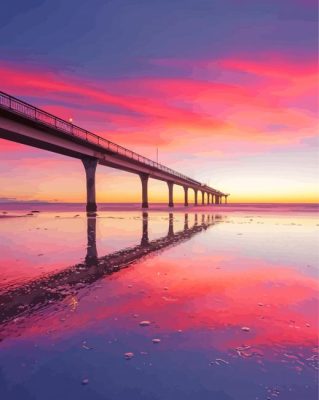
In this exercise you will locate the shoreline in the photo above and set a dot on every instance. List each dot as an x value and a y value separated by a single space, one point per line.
18 210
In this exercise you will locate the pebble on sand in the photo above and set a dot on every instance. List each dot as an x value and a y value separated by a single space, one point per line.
128 355
85 381
220 361
245 329
145 323
156 340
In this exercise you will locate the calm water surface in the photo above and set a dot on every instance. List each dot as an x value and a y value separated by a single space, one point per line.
231 297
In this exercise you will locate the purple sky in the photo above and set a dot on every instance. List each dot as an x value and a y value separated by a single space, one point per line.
226 90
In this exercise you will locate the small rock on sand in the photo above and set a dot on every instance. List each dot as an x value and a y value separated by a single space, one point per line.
128 356
145 323
245 329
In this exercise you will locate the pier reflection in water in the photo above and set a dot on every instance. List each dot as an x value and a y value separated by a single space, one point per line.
24 299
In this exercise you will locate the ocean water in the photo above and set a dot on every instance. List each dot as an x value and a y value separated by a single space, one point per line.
213 303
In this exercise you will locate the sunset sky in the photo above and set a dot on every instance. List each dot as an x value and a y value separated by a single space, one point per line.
225 89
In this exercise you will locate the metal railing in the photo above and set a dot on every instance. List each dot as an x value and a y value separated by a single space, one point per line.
33 113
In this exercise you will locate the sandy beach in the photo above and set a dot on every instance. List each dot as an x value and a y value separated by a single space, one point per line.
196 295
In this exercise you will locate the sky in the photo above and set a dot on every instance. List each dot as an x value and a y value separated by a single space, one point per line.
226 90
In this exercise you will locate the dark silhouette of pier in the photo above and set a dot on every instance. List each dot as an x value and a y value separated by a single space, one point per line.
23 123
35 295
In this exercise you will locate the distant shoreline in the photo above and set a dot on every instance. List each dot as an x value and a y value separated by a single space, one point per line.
21 209
40 203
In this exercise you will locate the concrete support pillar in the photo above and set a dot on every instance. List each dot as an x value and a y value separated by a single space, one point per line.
213 198
144 180
195 197
203 197
186 196
226 199
170 194
144 240
170 224
208 198
90 168
196 220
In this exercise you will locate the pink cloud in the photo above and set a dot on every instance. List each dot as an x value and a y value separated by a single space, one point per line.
186 114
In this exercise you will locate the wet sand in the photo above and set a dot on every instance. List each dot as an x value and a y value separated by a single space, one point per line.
160 305
240 207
